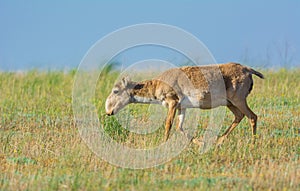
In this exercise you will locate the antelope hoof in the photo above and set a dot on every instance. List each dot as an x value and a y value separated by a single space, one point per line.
189 137
198 142
220 140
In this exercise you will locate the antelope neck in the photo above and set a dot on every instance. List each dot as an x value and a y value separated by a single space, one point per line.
144 92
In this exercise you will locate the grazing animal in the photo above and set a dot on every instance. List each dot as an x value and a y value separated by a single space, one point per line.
203 87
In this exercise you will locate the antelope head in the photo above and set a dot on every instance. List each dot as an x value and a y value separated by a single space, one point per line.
119 97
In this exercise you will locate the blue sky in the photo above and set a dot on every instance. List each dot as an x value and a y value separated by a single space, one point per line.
57 34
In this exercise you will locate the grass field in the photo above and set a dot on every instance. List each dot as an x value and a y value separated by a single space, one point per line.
40 147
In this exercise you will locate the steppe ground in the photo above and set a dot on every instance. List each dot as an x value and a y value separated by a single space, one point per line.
41 149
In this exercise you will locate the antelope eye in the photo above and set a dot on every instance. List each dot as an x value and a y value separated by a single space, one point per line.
115 91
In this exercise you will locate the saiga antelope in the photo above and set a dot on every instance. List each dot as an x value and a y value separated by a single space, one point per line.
191 87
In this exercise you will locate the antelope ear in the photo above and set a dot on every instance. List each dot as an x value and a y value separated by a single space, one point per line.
125 81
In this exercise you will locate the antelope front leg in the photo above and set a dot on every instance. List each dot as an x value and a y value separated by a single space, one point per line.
170 119
180 119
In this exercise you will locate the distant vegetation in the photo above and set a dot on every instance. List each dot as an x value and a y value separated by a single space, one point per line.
40 147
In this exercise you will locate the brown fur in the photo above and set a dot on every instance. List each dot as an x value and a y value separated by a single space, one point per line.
192 86
154 89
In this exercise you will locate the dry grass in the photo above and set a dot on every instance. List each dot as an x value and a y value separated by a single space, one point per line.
41 147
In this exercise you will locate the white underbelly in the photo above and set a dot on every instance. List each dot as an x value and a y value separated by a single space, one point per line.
207 103
189 102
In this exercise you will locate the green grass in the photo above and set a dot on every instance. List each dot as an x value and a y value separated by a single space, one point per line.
40 147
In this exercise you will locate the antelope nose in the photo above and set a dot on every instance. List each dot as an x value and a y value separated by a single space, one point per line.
110 113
